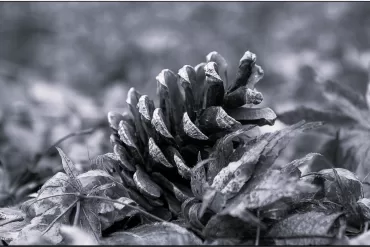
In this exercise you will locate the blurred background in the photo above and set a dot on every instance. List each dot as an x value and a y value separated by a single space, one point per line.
64 65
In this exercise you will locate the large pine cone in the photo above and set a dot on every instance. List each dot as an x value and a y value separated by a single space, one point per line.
155 148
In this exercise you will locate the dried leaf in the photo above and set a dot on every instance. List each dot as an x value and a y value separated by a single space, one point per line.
292 167
69 168
73 235
162 233
214 91
304 224
310 114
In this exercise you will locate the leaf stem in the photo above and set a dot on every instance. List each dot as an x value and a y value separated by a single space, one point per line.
77 215
258 230
60 216
126 204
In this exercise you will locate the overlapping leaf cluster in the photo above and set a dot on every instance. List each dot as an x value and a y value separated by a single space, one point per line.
194 170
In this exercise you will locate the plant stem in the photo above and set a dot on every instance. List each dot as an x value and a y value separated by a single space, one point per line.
126 204
60 216
258 230
77 215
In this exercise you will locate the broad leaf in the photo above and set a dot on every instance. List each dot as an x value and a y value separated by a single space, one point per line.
310 224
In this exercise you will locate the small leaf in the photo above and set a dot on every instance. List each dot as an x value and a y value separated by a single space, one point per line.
293 166
145 184
306 224
245 70
214 90
157 155
76 236
364 204
69 167
216 119
260 116
191 130
242 96
310 114
159 233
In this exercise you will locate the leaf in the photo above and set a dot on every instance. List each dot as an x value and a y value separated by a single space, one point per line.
75 236
337 90
69 168
214 91
259 116
40 223
310 114
364 205
292 167
226 226
163 233
362 239
304 224
340 186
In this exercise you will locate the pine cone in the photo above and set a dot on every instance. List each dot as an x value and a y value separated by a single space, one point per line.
156 148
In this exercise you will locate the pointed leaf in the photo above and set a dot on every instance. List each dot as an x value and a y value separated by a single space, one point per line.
69 167
306 224
310 114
